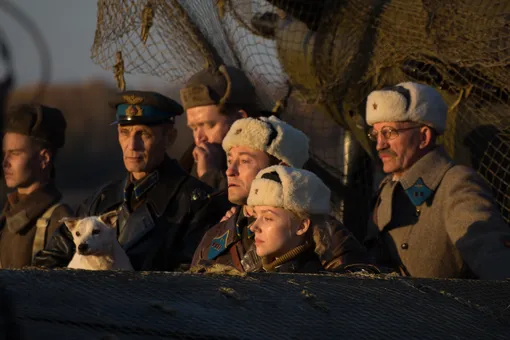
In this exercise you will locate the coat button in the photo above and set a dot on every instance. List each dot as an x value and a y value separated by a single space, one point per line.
404 246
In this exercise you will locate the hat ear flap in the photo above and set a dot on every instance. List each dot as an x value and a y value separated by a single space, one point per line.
38 119
228 91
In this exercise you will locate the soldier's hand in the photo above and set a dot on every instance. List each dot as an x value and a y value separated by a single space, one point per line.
208 156
229 214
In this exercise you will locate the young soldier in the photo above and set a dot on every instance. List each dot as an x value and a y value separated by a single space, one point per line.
33 134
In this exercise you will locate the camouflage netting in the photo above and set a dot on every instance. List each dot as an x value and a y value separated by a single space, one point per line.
333 53
67 304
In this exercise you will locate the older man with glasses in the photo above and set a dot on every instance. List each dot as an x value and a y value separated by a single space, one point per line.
432 217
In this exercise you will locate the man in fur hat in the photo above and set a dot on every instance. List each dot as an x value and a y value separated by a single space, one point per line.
252 145
32 136
432 217
213 100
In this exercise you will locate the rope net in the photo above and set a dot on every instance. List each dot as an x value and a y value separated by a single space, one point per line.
326 56
128 305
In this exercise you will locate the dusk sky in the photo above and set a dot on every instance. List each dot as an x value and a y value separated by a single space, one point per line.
68 27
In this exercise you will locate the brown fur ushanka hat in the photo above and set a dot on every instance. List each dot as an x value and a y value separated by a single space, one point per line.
43 123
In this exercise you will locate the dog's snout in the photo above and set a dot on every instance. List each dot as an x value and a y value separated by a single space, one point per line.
83 247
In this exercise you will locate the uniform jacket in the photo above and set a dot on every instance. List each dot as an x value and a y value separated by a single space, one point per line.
439 220
229 243
18 224
162 231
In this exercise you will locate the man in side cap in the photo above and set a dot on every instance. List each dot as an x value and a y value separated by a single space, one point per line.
32 136
253 144
162 211
213 100
432 217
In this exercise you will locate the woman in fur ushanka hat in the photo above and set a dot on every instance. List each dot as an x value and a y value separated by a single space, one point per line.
291 229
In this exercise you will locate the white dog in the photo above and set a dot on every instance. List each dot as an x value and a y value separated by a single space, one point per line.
96 243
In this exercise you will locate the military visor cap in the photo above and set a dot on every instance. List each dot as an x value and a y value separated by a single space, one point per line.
145 108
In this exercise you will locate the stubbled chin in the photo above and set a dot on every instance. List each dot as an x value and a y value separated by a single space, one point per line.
236 197
134 167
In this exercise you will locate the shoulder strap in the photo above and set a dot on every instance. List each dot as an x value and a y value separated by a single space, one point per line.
41 228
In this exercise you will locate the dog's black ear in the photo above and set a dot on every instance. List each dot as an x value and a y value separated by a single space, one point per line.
110 218
70 222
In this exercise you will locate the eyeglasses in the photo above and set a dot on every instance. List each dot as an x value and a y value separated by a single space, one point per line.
388 132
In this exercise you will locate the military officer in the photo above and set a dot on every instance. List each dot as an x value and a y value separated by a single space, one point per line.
432 217
163 211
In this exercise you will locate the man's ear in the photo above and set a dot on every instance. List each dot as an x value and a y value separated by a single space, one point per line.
283 163
303 227
70 222
44 158
426 136
110 218
242 114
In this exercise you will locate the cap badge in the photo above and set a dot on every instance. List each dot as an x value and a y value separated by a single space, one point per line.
133 109
374 105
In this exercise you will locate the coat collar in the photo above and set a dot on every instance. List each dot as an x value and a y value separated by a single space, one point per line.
156 195
423 178
419 184
431 168
139 188
158 187
20 214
